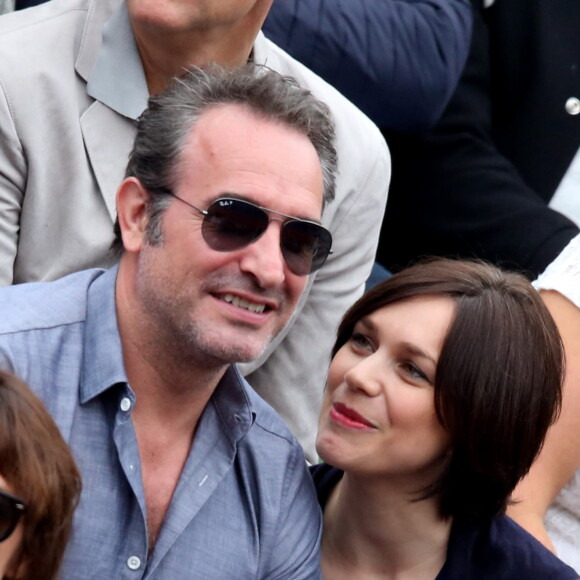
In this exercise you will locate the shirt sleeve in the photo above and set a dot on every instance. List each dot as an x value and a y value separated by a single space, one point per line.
296 549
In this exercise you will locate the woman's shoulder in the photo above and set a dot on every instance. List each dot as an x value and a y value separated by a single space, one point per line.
500 550
325 477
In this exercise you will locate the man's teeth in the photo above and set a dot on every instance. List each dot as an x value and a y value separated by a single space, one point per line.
242 303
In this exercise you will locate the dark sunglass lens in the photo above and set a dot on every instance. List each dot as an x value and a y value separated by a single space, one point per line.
231 224
9 515
305 246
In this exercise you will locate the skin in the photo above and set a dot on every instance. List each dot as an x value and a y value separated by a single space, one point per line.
9 547
560 456
178 332
395 447
173 34
380 374
182 283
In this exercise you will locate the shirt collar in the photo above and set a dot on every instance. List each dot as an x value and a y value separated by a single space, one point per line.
103 364
117 78
233 405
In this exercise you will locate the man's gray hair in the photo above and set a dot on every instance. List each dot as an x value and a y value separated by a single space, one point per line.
164 127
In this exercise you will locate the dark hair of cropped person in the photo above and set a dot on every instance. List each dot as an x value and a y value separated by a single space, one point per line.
498 379
164 127
37 463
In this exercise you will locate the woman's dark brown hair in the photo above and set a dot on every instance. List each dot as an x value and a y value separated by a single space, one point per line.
36 462
498 379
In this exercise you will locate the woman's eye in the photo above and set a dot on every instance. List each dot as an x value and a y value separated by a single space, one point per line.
361 341
413 371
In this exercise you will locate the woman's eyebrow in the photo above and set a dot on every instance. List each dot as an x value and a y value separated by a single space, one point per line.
415 350
367 323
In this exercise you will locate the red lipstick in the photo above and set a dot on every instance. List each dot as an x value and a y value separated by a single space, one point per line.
348 417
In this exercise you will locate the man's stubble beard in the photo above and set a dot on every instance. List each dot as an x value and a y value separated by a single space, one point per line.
169 324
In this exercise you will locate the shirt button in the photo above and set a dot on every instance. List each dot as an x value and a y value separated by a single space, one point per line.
573 106
125 404
133 563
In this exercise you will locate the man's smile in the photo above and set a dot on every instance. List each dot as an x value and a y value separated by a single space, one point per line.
244 303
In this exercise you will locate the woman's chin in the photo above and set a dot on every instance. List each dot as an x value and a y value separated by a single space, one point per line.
331 449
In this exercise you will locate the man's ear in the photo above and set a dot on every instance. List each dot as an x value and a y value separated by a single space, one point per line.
132 213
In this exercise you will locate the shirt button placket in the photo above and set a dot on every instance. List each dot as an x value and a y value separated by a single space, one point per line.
133 563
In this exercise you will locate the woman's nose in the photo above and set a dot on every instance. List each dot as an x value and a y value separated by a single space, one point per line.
367 376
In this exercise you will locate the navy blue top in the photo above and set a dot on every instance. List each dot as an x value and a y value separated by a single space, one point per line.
398 61
496 550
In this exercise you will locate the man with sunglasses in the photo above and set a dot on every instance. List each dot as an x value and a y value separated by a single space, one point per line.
187 473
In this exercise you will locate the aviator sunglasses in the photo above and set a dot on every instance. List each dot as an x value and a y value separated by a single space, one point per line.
230 224
11 508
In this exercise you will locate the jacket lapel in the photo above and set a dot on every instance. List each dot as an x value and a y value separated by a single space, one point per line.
110 65
108 151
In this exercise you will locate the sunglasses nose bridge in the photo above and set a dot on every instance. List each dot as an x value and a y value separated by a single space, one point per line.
276 219
264 259
278 233
281 220
265 225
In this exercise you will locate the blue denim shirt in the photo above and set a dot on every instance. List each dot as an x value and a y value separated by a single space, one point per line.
244 506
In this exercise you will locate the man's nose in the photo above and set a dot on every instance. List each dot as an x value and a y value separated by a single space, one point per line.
263 258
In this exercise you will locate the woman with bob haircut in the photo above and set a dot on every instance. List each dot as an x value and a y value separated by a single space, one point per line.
39 486
443 383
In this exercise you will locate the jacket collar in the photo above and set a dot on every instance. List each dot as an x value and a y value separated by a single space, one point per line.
116 77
